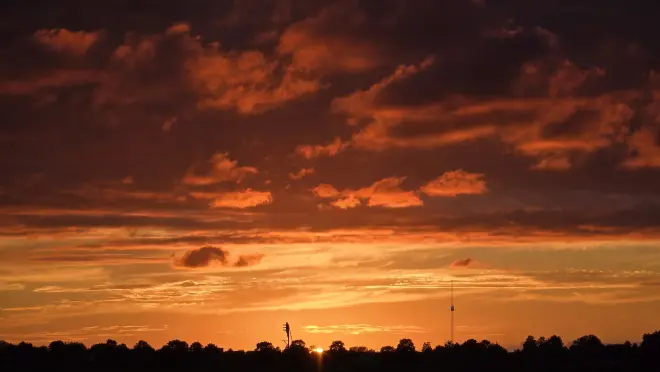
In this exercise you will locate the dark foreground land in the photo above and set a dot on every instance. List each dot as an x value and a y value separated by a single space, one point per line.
587 353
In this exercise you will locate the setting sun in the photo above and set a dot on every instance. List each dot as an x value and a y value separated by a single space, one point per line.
318 350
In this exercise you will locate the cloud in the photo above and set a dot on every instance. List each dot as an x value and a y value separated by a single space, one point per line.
359 104
357 329
316 45
247 198
385 193
207 255
203 257
178 28
325 191
347 202
248 81
313 151
303 172
64 41
644 143
168 123
60 78
559 114
462 263
454 183
220 168
248 260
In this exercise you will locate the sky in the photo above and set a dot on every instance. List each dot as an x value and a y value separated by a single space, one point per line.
208 170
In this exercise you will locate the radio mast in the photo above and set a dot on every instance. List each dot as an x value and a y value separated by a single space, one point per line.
451 325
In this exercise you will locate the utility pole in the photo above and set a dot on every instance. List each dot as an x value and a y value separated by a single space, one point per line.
287 330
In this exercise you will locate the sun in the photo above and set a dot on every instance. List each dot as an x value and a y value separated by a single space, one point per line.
318 350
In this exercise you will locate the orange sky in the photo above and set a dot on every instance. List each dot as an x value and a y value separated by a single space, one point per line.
210 172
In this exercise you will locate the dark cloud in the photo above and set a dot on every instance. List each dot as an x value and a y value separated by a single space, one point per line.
203 257
462 263
245 260
207 255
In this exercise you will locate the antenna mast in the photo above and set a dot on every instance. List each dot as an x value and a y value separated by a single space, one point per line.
452 313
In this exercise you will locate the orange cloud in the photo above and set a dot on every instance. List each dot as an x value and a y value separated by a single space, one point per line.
556 163
347 202
63 40
360 103
325 191
216 170
301 173
177 29
453 183
313 151
385 193
316 47
554 129
644 143
556 78
248 81
237 199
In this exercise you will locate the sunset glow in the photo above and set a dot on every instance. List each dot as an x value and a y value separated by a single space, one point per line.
209 171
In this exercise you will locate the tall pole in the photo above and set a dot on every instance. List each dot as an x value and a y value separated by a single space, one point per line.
452 313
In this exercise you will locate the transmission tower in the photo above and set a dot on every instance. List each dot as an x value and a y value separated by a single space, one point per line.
451 325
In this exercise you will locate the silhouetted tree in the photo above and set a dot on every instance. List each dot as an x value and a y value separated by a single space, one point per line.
405 345
264 346
651 342
196 347
427 347
337 347
586 354
588 344
176 346
298 345
360 349
530 346
143 346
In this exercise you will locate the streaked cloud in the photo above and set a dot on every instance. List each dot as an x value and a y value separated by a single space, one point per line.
462 263
356 329
385 193
302 173
457 182
247 198
219 168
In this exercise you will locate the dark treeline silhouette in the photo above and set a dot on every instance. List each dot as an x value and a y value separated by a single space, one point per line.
587 353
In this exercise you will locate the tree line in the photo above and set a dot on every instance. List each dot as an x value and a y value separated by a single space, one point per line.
587 353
